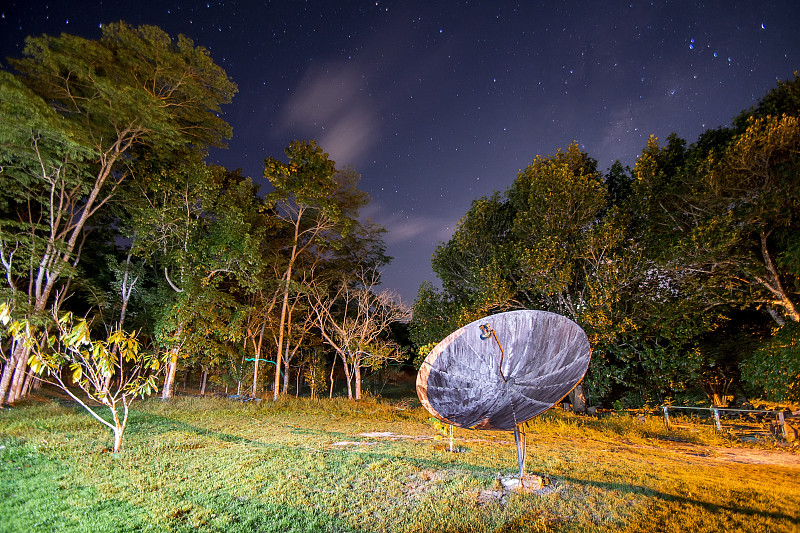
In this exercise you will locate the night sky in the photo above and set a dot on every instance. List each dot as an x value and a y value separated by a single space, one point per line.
437 103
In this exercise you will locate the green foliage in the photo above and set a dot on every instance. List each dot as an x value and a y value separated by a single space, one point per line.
781 100
773 370
76 120
68 142
91 364
326 247
137 80
307 179
435 315
720 215
210 322
562 239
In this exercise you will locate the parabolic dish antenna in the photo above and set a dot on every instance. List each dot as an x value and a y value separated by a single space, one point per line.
500 371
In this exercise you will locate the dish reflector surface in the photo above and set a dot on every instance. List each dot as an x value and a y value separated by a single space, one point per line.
502 370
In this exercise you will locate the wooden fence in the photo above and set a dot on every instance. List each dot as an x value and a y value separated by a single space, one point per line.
715 413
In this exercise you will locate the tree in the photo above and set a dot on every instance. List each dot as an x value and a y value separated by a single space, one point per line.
563 239
619 184
354 319
211 328
313 201
557 201
718 218
752 197
435 315
74 118
197 223
90 364
313 365
723 221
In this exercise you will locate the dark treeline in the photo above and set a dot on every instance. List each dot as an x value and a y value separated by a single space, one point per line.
684 271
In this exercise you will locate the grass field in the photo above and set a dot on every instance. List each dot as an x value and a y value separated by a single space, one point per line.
205 464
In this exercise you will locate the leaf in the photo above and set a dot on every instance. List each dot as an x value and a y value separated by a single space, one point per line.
77 372
5 313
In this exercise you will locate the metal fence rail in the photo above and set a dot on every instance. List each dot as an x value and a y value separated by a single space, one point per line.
715 411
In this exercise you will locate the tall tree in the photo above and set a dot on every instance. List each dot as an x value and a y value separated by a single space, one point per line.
318 205
723 220
201 226
74 116
561 239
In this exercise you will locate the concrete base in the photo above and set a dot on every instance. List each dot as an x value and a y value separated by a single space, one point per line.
528 483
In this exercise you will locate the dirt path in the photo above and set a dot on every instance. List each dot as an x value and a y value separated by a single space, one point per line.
718 454
752 456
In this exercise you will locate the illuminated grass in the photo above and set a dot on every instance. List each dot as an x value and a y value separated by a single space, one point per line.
204 464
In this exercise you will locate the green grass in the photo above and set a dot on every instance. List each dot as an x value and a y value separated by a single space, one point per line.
204 464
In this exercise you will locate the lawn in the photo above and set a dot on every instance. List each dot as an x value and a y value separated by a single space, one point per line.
210 464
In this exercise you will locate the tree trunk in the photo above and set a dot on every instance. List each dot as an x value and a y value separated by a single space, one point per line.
169 380
257 350
333 366
29 379
8 370
285 304
776 287
578 398
349 380
125 291
203 385
276 383
776 316
297 384
357 372
286 371
17 380
117 439
284 307
254 390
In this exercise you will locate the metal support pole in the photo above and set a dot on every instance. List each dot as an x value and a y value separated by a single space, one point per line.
716 419
666 416
519 439
450 431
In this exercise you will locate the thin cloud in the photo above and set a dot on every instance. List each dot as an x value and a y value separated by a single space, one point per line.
425 230
330 104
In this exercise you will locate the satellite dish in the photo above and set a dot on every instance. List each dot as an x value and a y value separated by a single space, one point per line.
500 371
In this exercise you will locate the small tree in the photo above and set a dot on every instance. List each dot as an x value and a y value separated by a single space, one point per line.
314 370
90 363
354 320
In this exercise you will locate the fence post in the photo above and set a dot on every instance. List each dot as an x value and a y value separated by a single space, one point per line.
666 416
716 419
783 425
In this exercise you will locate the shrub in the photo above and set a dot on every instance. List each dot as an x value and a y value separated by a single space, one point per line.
774 368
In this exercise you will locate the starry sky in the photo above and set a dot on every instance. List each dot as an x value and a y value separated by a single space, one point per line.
437 103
